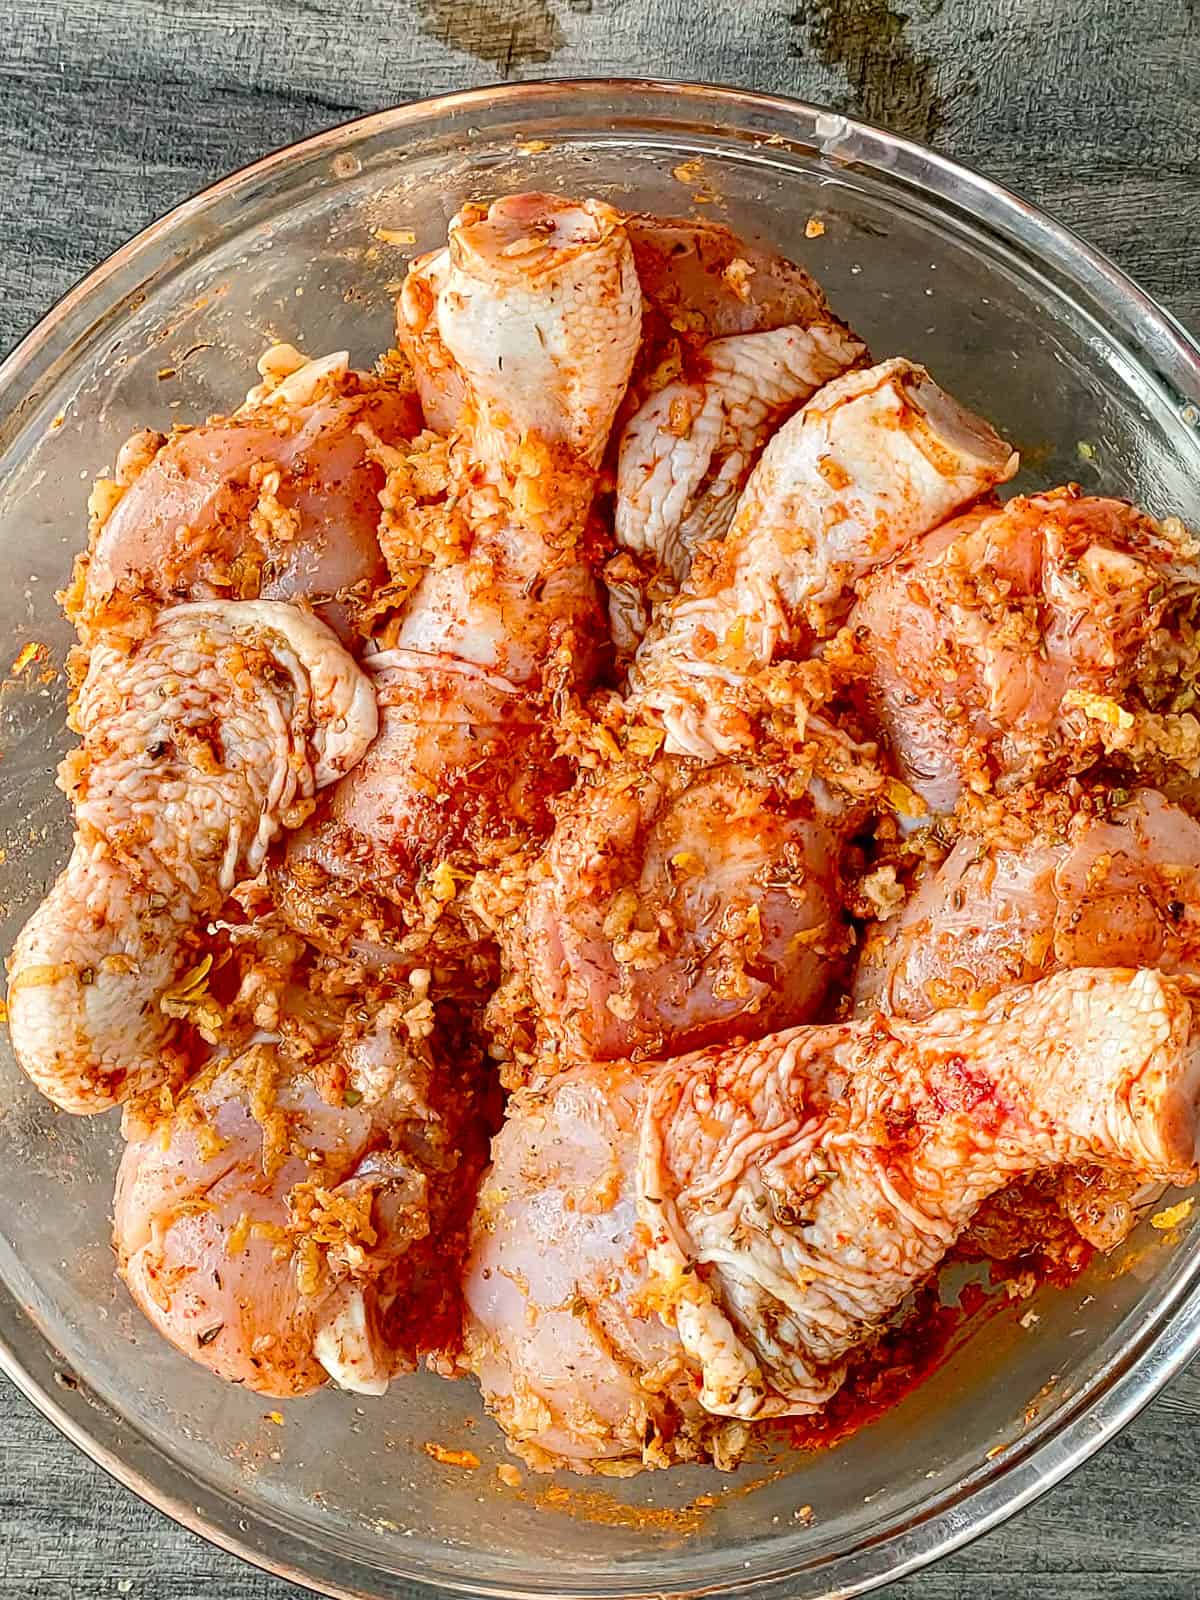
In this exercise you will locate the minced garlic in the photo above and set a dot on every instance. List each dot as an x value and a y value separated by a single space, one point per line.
1172 1216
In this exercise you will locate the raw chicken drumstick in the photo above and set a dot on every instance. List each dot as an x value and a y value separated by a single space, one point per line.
1004 644
535 307
710 1237
1096 878
278 502
538 305
1077 877
675 907
687 452
873 461
300 1213
699 281
733 338
199 743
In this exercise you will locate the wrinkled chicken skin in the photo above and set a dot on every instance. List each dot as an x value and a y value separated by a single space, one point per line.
1003 644
540 308
279 502
873 461
675 908
294 1220
687 452
199 744
1082 882
733 337
1111 885
734 1223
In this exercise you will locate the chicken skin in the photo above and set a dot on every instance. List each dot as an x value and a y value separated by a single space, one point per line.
699 281
697 900
199 744
278 502
710 1237
677 907
1108 880
734 337
873 461
1004 644
687 452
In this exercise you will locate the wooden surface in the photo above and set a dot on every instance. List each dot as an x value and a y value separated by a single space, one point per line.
112 110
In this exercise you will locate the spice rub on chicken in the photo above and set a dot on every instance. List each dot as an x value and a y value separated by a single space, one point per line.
536 303
279 501
659 1247
1089 876
874 460
1035 638
200 743
692 898
603 698
298 1212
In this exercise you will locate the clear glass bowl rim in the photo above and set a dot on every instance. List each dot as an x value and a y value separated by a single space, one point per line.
1167 1339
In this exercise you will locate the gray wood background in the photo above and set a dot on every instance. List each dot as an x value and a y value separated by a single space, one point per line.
113 110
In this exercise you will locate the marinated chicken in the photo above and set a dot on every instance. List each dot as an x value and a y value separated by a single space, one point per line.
1095 878
687 452
702 281
602 699
873 461
733 338
660 1247
278 502
290 1217
538 308
1082 877
200 743
1006 644
676 907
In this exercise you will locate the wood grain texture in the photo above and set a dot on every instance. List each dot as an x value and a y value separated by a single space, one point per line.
111 112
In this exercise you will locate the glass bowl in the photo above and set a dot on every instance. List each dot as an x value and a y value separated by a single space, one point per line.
1016 317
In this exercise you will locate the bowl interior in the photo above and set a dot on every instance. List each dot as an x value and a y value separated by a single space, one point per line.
1082 374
